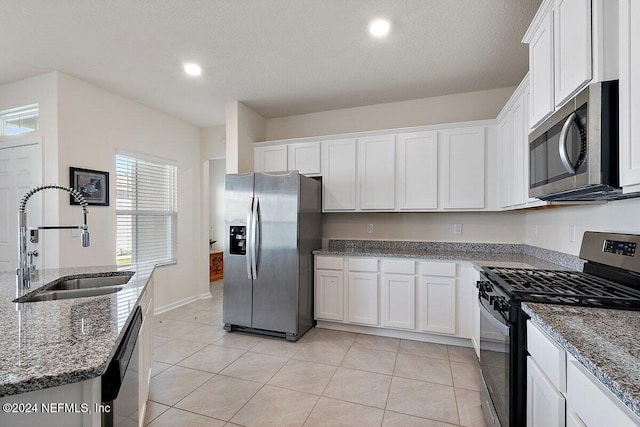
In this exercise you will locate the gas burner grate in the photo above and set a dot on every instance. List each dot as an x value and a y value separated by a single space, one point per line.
563 287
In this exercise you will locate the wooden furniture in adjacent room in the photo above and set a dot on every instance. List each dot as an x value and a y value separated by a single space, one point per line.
216 266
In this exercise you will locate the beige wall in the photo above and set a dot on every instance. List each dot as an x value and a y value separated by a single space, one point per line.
216 202
93 125
243 127
460 107
213 142
554 229
494 227
42 90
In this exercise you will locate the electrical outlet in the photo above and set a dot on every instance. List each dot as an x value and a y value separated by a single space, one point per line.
369 228
457 228
572 233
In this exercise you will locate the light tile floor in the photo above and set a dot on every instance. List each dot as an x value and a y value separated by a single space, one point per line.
204 376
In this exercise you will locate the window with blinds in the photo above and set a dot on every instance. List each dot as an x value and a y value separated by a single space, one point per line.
146 211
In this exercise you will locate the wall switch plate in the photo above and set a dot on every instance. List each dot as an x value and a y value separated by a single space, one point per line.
457 228
369 228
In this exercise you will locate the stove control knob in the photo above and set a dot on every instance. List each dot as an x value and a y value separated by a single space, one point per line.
484 286
500 304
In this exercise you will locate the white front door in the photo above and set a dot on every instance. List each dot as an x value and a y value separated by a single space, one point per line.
20 170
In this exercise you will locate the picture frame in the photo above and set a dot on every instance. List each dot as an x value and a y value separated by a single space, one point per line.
92 184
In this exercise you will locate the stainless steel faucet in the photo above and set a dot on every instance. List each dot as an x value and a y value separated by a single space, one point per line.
26 268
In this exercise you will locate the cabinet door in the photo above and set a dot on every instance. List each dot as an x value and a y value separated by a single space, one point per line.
572 47
304 157
545 404
437 304
363 298
630 93
329 295
339 174
541 70
417 170
376 163
398 301
573 420
270 159
463 168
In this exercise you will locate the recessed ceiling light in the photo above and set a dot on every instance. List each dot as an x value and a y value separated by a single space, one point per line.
379 27
192 69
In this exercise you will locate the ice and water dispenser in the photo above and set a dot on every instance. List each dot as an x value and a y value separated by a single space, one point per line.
237 240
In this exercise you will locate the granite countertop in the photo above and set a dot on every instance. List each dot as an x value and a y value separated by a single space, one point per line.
51 343
605 341
480 254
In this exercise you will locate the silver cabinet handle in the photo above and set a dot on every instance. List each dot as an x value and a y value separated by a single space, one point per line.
247 237
254 242
562 145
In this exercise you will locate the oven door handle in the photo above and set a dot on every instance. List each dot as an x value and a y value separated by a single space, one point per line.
504 329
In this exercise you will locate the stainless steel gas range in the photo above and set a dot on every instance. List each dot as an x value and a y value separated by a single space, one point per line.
610 279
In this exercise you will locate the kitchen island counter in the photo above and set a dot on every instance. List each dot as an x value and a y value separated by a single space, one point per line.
605 341
52 343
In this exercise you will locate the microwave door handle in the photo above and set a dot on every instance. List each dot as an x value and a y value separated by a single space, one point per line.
562 145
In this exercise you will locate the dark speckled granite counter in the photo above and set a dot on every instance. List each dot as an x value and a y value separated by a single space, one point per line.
51 343
606 342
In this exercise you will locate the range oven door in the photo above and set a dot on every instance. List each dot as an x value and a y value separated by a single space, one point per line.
495 333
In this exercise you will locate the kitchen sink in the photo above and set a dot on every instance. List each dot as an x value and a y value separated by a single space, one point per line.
48 295
79 287
92 282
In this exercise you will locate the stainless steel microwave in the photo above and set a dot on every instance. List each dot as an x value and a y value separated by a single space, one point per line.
573 155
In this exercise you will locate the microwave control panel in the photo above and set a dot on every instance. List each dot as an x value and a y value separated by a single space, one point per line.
619 248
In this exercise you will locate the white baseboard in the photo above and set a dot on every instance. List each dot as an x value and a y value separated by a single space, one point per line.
164 308
396 333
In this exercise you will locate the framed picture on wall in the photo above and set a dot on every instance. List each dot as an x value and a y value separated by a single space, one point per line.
93 185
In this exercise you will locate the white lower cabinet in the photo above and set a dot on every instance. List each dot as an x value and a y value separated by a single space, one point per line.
363 298
437 297
561 392
545 404
416 296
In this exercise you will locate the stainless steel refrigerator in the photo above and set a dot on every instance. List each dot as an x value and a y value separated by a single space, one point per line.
272 223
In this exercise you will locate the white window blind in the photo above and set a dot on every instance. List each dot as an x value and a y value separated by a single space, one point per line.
146 211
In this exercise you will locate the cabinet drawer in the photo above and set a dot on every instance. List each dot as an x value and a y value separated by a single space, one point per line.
363 264
438 269
399 267
329 262
548 355
594 404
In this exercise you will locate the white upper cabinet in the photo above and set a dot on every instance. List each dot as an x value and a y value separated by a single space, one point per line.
630 95
376 165
572 47
417 170
271 158
505 126
463 168
541 68
304 157
339 174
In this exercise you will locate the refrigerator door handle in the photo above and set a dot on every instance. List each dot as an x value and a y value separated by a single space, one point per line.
248 238
255 241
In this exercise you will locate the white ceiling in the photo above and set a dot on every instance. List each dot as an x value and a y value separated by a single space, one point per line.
279 57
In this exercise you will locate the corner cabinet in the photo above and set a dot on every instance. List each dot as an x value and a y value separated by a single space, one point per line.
463 168
408 298
629 14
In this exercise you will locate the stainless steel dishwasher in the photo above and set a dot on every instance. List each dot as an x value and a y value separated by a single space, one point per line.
121 381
